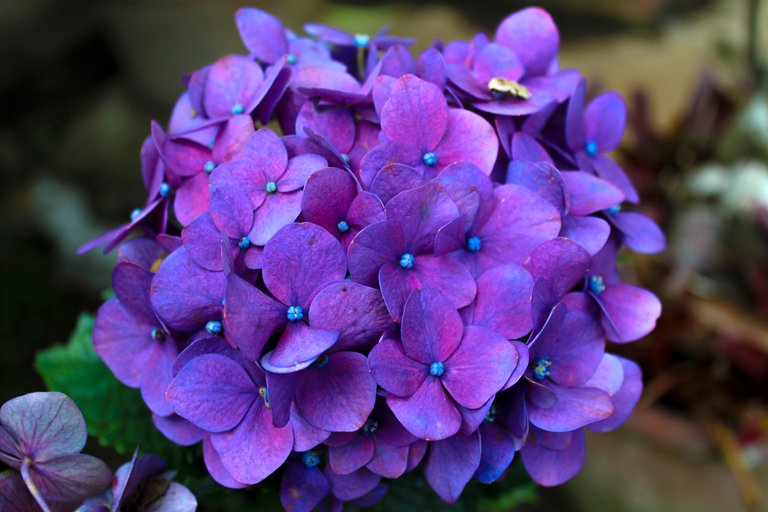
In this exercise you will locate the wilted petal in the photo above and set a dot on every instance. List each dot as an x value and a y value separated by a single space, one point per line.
70 478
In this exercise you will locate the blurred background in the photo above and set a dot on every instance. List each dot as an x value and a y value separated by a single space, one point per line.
81 80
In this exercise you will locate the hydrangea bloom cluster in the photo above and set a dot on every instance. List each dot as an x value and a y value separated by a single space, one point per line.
379 262
41 436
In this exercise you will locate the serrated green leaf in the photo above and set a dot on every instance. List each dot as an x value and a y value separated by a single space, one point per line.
115 414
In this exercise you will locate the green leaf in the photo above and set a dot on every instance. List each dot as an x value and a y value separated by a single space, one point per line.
115 414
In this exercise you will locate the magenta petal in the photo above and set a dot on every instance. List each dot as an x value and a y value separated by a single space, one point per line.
339 396
255 448
469 138
351 456
431 327
503 301
192 199
299 169
202 240
277 211
184 294
355 311
549 467
479 367
560 262
640 233
327 197
429 414
215 467
589 194
263 34
591 233
300 343
302 488
233 138
394 371
213 392
573 408
496 61
267 154
246 176
416 113
233 80
631 309
336 124
625 399
533 36
451 464
393 179
374 246
604 120
250 316
299 259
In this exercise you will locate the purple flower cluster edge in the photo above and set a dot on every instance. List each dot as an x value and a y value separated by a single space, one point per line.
354 262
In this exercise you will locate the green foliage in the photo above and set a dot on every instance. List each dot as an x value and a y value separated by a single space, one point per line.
115 414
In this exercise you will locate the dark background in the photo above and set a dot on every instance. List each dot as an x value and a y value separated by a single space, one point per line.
80 80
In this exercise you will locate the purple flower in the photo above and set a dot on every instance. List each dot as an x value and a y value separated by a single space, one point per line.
222 396
420 130
398 252
270 182
438 365
638 232
41 436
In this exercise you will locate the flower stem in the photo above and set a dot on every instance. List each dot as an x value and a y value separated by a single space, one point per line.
25 465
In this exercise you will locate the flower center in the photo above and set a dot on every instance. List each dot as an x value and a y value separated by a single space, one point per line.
541 368
209 166
213 327
310 459
370 427
490 417
265 396
596 284
406 260
362 40
165 189
343 226
591 148
473 244
237 109
135 214
271 187
294 313
429 159
322 361
345 157
436 369
501 88
614 210
157 334
244 242
291 58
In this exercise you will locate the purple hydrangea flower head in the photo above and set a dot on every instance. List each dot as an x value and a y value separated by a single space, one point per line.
41 436
439 363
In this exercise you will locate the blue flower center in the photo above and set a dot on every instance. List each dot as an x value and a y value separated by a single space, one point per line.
165 189
591 148
291 58
237 109
209 166
157 334
213 327
541 368
294 313
370 426
322 361
345 157
343 226
596 284
265 396
436 369
135 213
490 416
429 159
271 187
614 210
310 459
211 143
362 40
244 242
406 260
473 244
